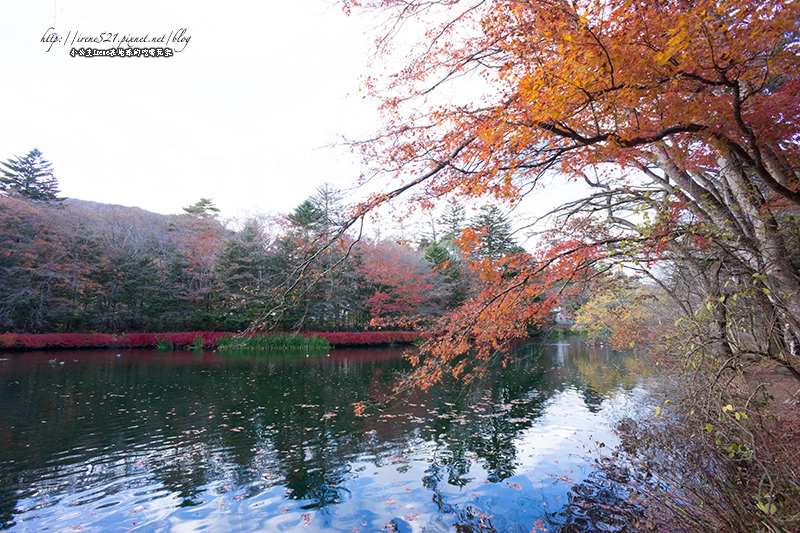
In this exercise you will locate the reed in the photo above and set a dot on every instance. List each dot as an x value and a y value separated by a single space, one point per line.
273 342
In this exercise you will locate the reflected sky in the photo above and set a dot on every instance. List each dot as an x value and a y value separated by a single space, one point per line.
146 441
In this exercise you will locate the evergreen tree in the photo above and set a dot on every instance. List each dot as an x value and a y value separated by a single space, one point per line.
318 298
306 215
497 240
242 273
328 204
204 207
447 271
454 220
320 212
30 176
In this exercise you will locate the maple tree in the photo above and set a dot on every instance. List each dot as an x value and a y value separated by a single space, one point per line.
682 118
401 282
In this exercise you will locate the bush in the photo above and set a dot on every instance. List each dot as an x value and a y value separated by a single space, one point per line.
137 340
368 338
725 458
197 340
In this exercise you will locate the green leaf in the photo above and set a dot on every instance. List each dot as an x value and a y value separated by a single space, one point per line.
767 508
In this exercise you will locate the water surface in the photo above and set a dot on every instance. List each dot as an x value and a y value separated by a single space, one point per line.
143 441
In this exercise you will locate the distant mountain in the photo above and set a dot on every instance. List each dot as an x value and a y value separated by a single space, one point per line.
105 209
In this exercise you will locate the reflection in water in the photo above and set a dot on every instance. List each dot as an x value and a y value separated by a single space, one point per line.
185 442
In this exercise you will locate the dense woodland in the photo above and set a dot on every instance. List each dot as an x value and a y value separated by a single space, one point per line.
78 266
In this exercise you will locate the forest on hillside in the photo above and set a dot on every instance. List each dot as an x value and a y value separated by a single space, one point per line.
78 266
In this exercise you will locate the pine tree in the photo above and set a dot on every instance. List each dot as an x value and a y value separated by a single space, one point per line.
497 235
306 215
453 220
446 269
30 176
204 207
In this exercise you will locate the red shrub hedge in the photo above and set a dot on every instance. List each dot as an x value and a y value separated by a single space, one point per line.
366 338
137 340
55 341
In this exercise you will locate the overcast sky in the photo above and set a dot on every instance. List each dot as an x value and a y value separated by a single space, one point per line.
243 113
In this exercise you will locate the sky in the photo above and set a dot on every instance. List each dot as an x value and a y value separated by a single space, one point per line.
249 111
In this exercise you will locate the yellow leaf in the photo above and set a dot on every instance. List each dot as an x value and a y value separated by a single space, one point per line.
767 508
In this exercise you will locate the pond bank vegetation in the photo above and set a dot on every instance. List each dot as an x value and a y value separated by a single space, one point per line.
710 458
716 448
203 340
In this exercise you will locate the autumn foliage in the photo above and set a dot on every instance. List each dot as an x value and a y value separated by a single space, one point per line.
402 281
680 117
572 84
80 266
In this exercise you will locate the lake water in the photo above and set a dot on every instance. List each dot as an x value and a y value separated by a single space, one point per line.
183 442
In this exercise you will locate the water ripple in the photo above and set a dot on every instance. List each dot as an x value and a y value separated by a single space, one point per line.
173 445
